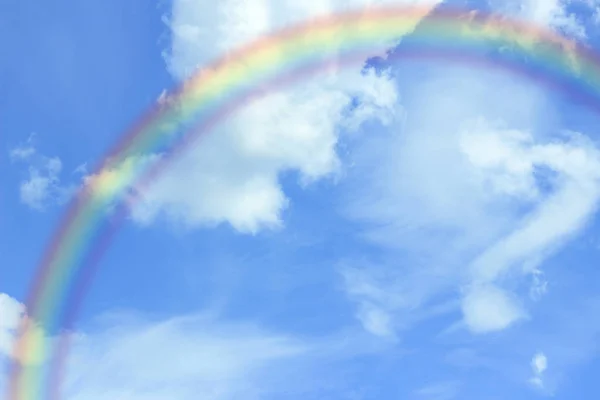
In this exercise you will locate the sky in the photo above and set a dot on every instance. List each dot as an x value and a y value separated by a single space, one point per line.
412 230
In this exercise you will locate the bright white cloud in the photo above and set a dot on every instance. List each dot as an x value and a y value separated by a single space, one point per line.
232 176
457 187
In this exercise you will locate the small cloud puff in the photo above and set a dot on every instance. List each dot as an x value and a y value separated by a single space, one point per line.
42 186
488 308
539 364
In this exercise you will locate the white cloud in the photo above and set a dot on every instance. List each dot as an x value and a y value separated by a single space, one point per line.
129 357
505 171
37 190
539 364
183 358
488 308
498 158
232 176
462 200
11 314
375 303
544 13
42 187
23 152
558 216
388 299
375 320
594 6
201 34
13 317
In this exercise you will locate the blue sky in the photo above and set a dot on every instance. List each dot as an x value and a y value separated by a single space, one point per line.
426 232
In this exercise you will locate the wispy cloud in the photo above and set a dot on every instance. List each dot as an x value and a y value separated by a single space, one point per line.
182 358
130 356
11 313
495 201
24 151
42 186
391 298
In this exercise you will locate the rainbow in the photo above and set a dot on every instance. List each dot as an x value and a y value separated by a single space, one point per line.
223 87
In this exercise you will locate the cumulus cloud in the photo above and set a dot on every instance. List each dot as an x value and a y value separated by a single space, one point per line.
232 175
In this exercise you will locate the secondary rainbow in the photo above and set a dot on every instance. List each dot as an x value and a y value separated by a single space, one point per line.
220 88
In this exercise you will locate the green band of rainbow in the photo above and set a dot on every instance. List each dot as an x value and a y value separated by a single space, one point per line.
221 83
